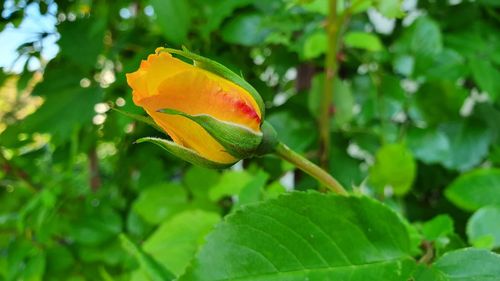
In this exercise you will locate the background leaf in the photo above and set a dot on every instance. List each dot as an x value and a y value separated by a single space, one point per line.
468 264
174 18
483 229
394 167
475 189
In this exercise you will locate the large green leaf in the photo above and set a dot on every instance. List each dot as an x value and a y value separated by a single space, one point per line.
307 236
483 228
475 189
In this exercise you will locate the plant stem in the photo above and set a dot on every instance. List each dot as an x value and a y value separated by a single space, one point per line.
332 29
310 168
428 254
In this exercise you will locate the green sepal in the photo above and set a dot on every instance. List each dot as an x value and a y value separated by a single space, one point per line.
143 119
221 70
269 139
184 153
238 141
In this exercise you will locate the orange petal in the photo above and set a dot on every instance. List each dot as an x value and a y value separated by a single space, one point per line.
199 92
152 72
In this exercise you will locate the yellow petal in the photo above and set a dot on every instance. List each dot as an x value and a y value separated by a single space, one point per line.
191 135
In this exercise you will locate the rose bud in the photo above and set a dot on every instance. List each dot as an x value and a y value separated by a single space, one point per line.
213 116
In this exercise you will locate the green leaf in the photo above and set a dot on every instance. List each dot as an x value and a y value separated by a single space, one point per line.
493 3
426 37
363 40
343 99
448 64
95 226
475 189
230 183
252 191
67 107
343 102
174 19
184 153
394 167
296 132
216 11
484 226
440 226
316 6
468 265
486 76
109 253
344 167
34 267
404 64
422 39
239 141
315 45
428 145
157 203
390 8
176 241
82 40
154 270
469 144
307 236
199 180
245 29
440 101
425 273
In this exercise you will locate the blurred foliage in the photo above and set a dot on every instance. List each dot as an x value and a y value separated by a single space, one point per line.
415 125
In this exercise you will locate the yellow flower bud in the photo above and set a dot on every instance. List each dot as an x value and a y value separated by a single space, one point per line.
211 116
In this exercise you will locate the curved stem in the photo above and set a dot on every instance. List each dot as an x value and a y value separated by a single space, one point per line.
310 168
